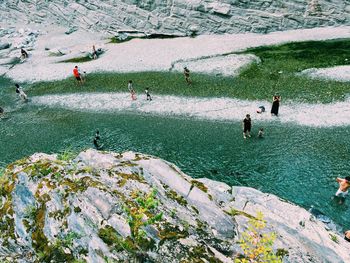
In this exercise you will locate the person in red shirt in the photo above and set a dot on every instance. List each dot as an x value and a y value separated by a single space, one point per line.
77 75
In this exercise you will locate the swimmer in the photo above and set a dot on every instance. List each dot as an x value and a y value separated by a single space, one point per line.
261 133
261 109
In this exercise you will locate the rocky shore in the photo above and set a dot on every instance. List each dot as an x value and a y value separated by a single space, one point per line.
100 206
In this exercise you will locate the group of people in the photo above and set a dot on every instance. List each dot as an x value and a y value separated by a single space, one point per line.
133 92
247 122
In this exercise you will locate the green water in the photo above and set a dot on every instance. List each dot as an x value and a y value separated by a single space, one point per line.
297 163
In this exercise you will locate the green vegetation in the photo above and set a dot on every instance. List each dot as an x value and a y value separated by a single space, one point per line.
279 64
275 74
67 155
334 238
257 244
78 59
145 205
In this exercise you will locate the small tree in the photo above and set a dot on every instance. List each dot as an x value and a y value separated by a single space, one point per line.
140 215
256 245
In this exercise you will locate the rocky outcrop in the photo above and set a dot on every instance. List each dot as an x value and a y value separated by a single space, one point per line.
180 17
133 207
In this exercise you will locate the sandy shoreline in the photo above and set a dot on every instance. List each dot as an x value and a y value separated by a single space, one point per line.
224 109
140 55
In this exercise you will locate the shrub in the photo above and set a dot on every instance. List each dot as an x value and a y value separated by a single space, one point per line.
256 245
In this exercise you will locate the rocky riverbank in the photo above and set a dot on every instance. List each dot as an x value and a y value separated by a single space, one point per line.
98 206
179 17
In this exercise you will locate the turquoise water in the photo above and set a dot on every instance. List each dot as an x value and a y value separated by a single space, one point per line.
297 163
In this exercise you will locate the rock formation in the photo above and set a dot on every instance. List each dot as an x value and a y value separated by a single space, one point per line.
123 207
180 17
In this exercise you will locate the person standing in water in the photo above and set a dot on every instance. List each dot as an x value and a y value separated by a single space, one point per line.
275 105
96 140
344 185
20 92
148 94
247 125
187 75
77 75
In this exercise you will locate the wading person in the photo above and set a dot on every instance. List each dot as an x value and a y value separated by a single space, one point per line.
344 185
77 75
96 140
20 92
148 95
1 111
261 133
247 125
275 105
187 75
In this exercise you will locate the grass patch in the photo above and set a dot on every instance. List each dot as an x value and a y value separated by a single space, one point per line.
78 59
275 74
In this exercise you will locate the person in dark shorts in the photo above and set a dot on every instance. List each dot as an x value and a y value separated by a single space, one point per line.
187 75
261 133
275 105
77 76
247 125
148 94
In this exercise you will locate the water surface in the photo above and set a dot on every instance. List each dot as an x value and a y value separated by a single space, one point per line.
298 163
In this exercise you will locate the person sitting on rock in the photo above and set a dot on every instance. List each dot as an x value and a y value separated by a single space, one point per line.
24 54
347 235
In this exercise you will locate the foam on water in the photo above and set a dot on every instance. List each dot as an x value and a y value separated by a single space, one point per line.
225 109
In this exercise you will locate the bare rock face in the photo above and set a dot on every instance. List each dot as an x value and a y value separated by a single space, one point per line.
180 17
131 207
